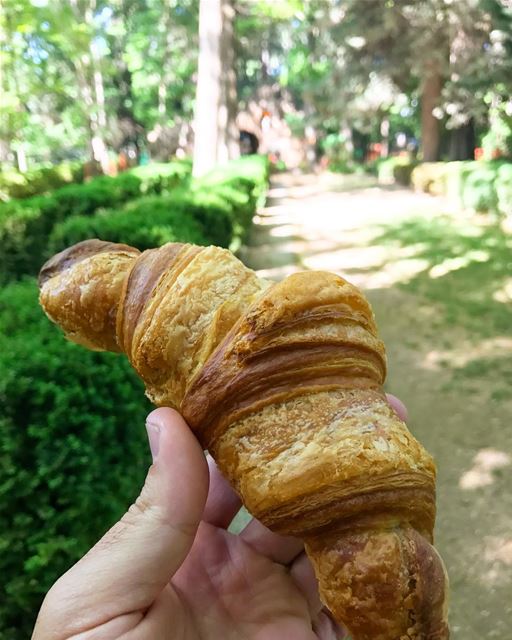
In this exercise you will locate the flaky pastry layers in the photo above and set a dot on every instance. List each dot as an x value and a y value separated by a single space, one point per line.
282 382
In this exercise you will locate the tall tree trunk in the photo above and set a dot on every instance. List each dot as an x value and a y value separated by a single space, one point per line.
462 142
229 147
21 158
430 126
130 128
98 141
384 140
216 88
166 60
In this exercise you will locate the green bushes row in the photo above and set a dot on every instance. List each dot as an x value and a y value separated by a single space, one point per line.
479 185
14 184
149 222
73 452
394 169
25 225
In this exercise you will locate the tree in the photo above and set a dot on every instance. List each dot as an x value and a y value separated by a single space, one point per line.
216 139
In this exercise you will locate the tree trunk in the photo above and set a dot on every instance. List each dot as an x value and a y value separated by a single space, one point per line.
21 158
384 141
166 61
229 147
216 88
430 127
462 142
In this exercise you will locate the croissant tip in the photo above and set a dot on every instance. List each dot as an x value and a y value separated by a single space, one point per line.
76 253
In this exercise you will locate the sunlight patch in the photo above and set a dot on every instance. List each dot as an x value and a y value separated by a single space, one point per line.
454 264
484 463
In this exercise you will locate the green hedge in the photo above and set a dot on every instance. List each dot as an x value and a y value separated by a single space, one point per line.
73 452
25 225
395 169
146 223
73 449
216 209
479 185
14 184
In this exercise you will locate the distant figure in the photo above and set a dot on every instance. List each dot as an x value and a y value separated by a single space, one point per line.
249 143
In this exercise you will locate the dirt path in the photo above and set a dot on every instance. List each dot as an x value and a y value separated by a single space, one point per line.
332 223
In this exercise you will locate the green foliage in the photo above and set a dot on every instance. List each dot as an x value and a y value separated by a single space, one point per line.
497 142
395 169
14 184
73 449
73 452
216 209
503 185
146 223
479 192
482 186
25 225
465 266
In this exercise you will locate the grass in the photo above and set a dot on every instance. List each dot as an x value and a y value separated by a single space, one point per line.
467 265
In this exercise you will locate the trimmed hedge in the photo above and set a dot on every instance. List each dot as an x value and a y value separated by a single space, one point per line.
73 449
216 209
146 223
73 452
485 186
14 184
395 169
25 225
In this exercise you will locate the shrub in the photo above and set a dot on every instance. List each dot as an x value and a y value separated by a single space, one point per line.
479 192
485 186
14 184
147 223
216 209
247 172
73 452
429 177
25 225
503 186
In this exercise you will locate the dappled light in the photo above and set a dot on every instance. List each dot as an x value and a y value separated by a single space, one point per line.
485 464
498 347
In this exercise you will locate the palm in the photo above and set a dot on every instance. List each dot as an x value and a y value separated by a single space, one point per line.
225 589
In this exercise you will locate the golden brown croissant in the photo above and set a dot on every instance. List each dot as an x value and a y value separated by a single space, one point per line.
283 384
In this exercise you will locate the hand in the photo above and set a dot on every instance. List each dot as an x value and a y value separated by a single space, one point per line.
169 569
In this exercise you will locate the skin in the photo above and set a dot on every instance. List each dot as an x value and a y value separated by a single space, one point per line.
169 569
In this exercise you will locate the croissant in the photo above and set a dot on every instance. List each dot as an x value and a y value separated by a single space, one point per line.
282 383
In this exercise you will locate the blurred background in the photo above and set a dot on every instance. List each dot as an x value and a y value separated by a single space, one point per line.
372 138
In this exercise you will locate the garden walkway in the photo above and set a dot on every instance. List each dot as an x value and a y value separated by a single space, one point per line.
346 225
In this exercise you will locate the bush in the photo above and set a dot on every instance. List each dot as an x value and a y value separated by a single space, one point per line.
393 169
479 192
430 177
503 186
249 172
73 452
25 225
216 209
73 449
14 184
147 223
479 185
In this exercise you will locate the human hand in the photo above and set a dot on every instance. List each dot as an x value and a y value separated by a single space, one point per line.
169 569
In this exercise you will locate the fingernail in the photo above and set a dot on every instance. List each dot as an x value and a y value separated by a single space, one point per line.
153 430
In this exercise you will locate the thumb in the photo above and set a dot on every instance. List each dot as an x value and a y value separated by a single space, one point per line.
130 566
